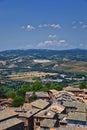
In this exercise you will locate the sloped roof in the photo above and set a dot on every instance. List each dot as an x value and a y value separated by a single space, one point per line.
84 90
54 91
7 114
42 94
69 88
64 92
69 128
61 116
9 123
47 113
77 116
57 108
48 123
29 113
41 104
80 107
6 101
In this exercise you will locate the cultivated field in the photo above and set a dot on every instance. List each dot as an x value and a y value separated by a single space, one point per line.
29 76
73 66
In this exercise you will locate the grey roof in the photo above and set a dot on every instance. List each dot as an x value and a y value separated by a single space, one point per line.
70 104
9 123
66 128
73 89
61 116
29 113
70 128
61 93
48 123
66 95
77 116
47 113
42 94
7 114
57 107
38 94
41 104
81 107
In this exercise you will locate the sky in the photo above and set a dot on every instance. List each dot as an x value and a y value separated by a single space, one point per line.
43 24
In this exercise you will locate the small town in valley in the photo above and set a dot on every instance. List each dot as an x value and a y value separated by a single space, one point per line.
53 110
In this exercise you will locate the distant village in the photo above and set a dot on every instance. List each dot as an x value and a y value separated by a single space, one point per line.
53 110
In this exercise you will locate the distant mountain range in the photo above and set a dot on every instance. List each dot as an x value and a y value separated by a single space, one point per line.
74 54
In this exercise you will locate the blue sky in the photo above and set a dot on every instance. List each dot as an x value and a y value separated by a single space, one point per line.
43 24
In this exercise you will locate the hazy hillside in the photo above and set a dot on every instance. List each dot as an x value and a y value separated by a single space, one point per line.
75 54
45 65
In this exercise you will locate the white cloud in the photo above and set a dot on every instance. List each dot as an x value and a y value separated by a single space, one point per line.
30 27
81 22
74 27
50 25
52 36
43 25
51 43
62 41
55 26
46 43
84 26
23 27
74 22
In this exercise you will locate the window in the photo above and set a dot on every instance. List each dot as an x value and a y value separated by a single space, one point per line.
38 123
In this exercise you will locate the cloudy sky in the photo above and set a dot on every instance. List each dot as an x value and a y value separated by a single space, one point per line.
43 24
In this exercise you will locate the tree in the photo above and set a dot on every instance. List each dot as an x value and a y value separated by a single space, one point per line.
18 101
56 86
83 85
11 94
24 88
2 92
36 86
33 97
48 84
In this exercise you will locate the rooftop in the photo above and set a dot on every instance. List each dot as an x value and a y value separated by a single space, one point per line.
80 107
57 108
69 88
5 101
66 95
9 123
42 94
47 113
29 113
48 123
85 90
53 91
61 116
79 116
41 104
69 128
64 92
65 128
7 114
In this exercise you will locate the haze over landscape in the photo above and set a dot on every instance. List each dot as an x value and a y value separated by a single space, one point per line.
43 24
